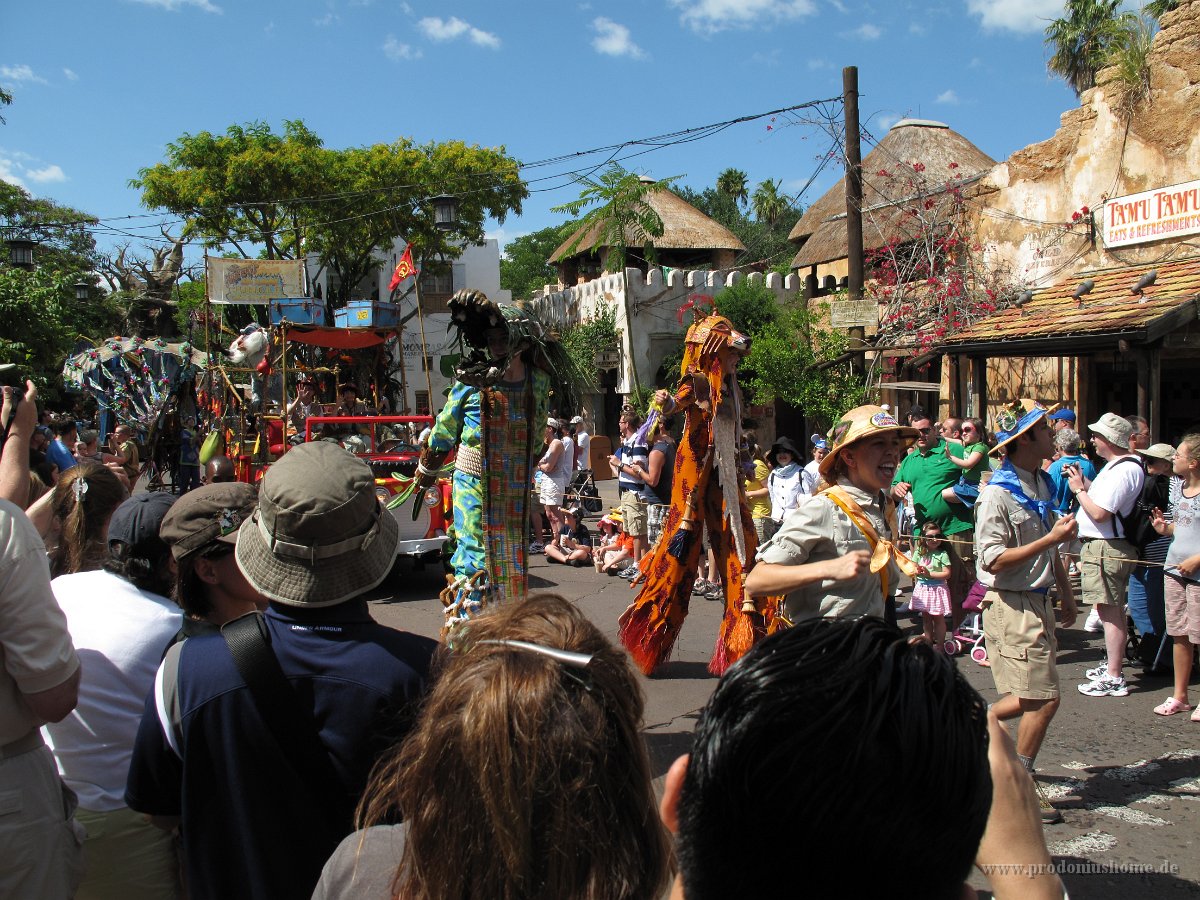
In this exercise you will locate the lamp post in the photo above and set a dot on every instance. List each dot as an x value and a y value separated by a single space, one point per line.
20 252
445 212
83 291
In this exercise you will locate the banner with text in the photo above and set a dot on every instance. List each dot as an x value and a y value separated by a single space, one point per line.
1169 212
253 280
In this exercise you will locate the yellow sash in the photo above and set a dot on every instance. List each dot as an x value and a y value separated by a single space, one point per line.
882 550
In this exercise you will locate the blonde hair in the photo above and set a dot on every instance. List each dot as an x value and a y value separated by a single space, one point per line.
526 777
1192 443
83 502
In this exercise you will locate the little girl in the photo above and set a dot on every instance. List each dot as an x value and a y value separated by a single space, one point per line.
973 462
930 596
1182 571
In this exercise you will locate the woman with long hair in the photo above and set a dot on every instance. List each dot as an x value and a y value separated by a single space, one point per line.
83 501
526 776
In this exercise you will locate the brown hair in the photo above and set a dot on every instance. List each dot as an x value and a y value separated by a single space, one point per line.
526 777
82 544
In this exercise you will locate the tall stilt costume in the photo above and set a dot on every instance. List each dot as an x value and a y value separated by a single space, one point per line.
493 416
705 492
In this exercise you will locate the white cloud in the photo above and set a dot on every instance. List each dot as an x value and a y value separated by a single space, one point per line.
46 174
612 39
8 172
947 97
177 5
916 28
711 16
450 29
326 20
816 63
70 75
839 6
397 51
886 122
1021 16
866 32
20 73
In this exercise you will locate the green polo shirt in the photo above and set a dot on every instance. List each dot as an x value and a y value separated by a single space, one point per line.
930 472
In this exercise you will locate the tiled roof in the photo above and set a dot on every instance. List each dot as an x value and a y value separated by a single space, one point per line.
1109 308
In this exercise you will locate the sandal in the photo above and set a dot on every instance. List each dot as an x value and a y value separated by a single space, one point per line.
1171 706
1196 716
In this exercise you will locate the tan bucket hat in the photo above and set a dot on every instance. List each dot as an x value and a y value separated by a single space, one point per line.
1113 429
860 422
319 535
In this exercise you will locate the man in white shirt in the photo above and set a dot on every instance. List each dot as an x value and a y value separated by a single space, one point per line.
1107 559
583 444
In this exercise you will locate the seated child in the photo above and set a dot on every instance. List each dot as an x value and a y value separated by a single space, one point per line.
573 544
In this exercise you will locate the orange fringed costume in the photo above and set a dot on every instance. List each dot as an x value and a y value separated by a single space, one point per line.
705 491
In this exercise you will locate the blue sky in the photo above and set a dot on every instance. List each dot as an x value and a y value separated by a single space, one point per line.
101 86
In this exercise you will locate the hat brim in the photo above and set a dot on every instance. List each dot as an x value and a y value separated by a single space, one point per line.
825 467
1110 436
1016 434
326 582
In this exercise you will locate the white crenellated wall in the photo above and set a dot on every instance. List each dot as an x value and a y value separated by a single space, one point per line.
646 310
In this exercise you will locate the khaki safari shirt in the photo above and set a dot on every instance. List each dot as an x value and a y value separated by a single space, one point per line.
816 531
1002 523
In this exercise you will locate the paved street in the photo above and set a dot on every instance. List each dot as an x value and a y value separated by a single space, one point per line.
1128 781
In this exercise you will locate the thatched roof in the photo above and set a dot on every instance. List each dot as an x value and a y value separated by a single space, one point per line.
684 228
888 180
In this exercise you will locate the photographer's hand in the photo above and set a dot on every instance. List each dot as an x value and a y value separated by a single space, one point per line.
19 416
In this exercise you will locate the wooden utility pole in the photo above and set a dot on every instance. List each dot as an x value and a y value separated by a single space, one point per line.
854 195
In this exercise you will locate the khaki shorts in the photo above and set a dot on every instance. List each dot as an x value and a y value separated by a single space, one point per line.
633 511
961 549
1019 629
1104 570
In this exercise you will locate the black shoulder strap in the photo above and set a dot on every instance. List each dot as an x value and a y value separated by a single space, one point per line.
1133 457
290 723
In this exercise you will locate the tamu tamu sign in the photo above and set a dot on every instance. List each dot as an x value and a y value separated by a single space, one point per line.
1169 212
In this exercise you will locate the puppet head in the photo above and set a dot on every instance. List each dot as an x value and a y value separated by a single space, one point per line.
712 340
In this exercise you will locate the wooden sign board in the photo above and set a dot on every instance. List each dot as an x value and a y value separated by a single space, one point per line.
854 314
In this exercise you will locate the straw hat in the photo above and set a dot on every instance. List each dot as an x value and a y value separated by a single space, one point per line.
859 423
1016 419
319 535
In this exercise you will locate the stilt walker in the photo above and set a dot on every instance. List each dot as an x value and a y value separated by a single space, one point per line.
705 493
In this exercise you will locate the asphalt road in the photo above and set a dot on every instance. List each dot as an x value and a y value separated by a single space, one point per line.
1127 781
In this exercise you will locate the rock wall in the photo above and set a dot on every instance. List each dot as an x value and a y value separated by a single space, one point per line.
1026 203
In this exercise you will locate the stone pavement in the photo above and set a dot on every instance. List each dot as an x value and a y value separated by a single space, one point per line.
1128 781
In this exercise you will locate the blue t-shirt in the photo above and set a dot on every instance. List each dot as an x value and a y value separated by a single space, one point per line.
1064 500
253 825
57 453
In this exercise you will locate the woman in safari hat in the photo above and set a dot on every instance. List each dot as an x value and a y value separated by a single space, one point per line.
833 556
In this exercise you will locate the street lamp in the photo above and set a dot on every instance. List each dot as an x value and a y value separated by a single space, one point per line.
445 212
83 291
20 252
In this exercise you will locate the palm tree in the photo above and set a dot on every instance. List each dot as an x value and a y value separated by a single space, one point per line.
735 184
620 210
1156 8
768 204
1082 40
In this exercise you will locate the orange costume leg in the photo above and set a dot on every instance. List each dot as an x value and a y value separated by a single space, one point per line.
739 631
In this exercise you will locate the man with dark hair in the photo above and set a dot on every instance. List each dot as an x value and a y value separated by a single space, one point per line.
61 450
201 530
800 743
276 722
926 473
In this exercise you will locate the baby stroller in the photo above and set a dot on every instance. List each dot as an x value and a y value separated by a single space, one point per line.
582 492
970 632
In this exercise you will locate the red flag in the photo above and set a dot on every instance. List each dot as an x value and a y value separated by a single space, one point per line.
404 269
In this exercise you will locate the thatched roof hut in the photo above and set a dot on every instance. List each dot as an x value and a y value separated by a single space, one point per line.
890 181
690 239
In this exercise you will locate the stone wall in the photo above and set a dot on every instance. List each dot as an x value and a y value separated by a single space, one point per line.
1026 202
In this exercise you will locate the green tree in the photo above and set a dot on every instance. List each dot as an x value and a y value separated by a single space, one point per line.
735 184
283 195
620 213
1130 59
524 267
1158 8
1083 39
768 204
5 100
767 246
42 320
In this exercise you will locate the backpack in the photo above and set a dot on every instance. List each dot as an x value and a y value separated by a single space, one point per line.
1155 494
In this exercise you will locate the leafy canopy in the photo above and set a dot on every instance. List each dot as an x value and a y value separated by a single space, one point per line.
1084 38
525 267
285 195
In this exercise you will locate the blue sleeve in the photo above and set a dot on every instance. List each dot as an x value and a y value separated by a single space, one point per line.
155 782
447 429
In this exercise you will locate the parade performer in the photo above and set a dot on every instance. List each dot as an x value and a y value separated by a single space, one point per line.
492 416
705 492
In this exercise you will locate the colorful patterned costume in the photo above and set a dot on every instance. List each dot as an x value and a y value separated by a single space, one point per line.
705 491
488 420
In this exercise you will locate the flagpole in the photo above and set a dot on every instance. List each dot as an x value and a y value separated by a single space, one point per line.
424 355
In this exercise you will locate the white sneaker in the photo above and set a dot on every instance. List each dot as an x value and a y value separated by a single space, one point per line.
1093 623
1098 672
1106 686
